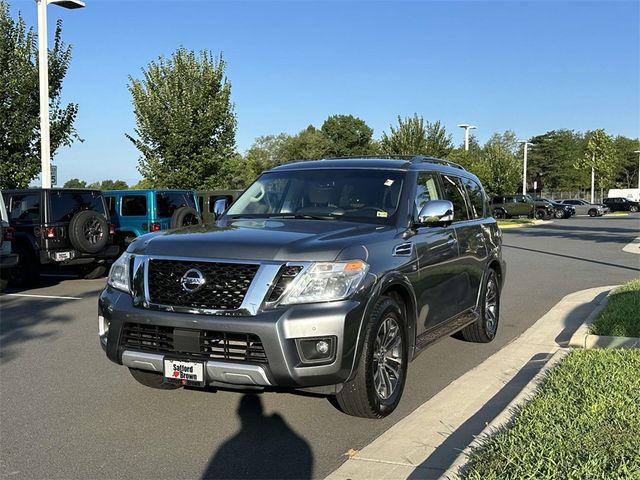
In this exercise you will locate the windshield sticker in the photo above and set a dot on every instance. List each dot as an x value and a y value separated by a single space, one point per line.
388 183
383 214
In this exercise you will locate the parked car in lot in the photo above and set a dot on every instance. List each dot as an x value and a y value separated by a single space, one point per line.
8 259
585 208
621 204
213 203
628 193
543 209
327 276
136 212
560 210
507 206
65 227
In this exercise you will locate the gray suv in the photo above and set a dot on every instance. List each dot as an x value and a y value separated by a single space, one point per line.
325 276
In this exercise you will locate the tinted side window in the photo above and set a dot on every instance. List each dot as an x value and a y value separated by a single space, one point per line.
426 190
168 202
24 208
454 192
476 198
134 205
111 205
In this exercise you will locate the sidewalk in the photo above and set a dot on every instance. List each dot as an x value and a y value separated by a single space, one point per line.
427 442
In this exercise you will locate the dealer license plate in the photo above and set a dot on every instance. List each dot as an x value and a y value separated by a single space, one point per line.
184 373
62 256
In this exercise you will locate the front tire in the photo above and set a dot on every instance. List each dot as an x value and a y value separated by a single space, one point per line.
152 380
559 214
633 209
593 212
485 328
376 390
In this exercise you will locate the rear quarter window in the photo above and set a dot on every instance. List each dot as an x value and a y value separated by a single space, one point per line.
454 192
476 198
134 205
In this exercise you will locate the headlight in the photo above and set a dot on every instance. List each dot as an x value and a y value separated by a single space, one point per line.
325 282
119 273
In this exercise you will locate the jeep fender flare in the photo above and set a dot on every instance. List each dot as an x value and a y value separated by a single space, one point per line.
29 241
389 280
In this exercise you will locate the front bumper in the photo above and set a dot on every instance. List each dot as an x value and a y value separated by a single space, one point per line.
277 329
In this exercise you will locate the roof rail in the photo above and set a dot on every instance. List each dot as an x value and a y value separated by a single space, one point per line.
409 158
425 159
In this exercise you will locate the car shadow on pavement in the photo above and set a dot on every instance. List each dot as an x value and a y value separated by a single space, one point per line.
447 452
265 447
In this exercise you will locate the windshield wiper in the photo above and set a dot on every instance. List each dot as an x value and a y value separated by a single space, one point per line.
306 216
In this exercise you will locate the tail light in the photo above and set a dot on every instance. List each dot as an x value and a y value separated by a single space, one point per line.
155 227
112 229
51 232
9 233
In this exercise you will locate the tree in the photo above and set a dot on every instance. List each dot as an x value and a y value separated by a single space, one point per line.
349 135
109 185
414 136
552 158
185 121
599 157
626 159
408 138
20 101
266 152
498 167
75 183
309 144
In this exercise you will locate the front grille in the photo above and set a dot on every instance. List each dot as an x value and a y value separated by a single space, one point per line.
225 285
287 274
243 347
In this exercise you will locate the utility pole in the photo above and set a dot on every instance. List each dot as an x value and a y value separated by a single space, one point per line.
593 176
638 152
524 166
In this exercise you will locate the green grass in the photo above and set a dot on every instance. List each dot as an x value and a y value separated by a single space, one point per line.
514 221
621 315
583 423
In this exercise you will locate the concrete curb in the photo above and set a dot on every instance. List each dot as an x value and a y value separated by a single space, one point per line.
584 339
633 247
506 418
428 443
524 225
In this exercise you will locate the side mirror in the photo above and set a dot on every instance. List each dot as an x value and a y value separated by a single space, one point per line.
219 207
436 213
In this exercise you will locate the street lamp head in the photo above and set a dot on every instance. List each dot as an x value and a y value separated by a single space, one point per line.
71 4
466 125
636 151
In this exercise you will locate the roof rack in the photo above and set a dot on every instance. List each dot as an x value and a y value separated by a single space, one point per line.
409 158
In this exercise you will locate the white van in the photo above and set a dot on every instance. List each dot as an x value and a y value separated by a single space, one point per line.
628 193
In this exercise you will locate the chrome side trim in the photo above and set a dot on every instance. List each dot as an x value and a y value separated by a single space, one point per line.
224 372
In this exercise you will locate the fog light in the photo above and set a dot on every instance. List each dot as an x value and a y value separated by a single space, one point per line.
322 347
103 328
316 350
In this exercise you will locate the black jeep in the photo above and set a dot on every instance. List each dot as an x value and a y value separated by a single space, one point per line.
67 227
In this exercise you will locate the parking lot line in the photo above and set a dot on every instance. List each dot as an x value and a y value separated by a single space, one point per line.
40 296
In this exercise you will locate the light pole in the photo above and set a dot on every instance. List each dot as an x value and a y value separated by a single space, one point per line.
638 152
43 71
524 165
466 127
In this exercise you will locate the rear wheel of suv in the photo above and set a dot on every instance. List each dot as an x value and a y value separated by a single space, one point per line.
499 213
633 208
484 329
185 216
559 214
27 272
382 371
88 231
593 212
152 380
541 214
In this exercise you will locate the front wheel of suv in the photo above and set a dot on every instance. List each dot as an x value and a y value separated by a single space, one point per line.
152 380
484 329
382 371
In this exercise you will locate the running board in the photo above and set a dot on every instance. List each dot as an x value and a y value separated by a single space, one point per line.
444 330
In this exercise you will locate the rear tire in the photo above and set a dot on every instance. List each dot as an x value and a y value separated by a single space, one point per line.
376 390
27 273
185 216
541 214
633 208
485 328
152 380
498 214
559 214
593 212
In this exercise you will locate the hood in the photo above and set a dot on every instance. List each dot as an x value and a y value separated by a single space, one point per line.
263 239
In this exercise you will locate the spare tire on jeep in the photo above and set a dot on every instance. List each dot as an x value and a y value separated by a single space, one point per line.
88 231
185 216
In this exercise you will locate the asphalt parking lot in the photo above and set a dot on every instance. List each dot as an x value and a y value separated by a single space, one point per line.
68 412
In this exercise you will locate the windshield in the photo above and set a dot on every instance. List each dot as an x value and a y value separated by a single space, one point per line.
365 195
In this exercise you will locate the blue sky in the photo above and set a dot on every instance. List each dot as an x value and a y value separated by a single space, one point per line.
528 66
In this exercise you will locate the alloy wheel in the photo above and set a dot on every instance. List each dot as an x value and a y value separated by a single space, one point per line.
387 358
491 308
93 231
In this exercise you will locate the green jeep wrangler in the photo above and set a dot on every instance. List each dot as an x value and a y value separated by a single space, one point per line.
213 203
